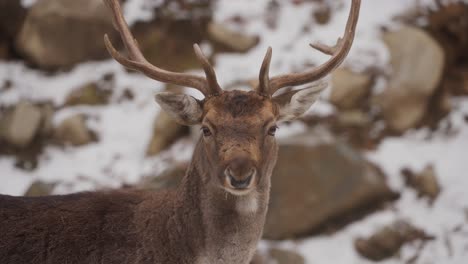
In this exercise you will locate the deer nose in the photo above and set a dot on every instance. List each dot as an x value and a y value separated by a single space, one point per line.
240 173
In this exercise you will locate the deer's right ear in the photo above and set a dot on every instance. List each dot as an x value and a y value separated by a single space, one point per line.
183 108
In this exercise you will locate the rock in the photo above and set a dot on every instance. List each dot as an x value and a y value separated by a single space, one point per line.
4 50
456 80
281 256
387 241
169 179
354 118
318 180
418 64
21 126
167 41
425 182
12 15
448 25
89 94
170 46
272 14
165 132
349 89
47 126
39 188
62 33
232 40
322 14
73 130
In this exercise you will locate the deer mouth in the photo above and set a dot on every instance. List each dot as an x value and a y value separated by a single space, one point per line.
239 185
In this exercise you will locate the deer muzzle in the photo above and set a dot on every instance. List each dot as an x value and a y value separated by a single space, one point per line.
240 175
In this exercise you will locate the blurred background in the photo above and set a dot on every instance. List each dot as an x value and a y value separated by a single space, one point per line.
376 171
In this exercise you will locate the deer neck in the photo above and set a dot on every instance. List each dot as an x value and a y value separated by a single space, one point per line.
232 225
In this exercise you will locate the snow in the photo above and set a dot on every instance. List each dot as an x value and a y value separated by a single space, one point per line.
125 128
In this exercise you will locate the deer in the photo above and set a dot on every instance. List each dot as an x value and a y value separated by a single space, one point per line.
217 213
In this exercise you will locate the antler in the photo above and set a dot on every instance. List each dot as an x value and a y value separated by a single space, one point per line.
136 61
268 86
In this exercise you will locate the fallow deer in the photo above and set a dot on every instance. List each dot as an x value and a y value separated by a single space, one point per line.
217 213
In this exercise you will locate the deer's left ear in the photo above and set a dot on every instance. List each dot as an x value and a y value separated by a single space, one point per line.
185 109
295 103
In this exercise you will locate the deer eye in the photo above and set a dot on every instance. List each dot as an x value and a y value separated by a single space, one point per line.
206 131
272 130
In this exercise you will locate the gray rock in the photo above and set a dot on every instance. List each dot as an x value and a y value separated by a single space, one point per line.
21 126
47 126
12 15
318 179
168 179
387 241
424 182
349 89
418 63
73 130
39 188
354 118
281 256
168 43
165 132
61 33
232 40
323 13
88 94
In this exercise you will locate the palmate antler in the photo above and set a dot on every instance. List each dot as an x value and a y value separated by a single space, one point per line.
136 61
268 86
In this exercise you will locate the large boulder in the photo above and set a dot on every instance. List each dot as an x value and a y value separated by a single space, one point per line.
168 179
231 40
318 179
21 125
167 41
169 44
88 94
418 63
349 89
282 256
277 256
12 15
165 129
74 131
61 33
165 132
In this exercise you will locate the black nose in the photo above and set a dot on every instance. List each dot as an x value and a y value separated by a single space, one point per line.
240 184
240 172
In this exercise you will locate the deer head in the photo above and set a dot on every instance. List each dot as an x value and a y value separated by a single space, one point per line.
238 127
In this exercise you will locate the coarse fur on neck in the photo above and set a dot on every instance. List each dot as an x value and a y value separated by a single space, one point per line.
232 224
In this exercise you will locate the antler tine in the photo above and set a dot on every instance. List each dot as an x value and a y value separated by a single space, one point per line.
136 60
209 71
264 78
338 53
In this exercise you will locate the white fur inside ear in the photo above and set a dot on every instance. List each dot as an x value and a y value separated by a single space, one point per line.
301 101
183 108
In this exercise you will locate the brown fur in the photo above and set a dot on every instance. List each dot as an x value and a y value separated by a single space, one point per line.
200 222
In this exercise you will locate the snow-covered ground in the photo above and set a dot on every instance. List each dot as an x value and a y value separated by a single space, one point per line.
125 128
